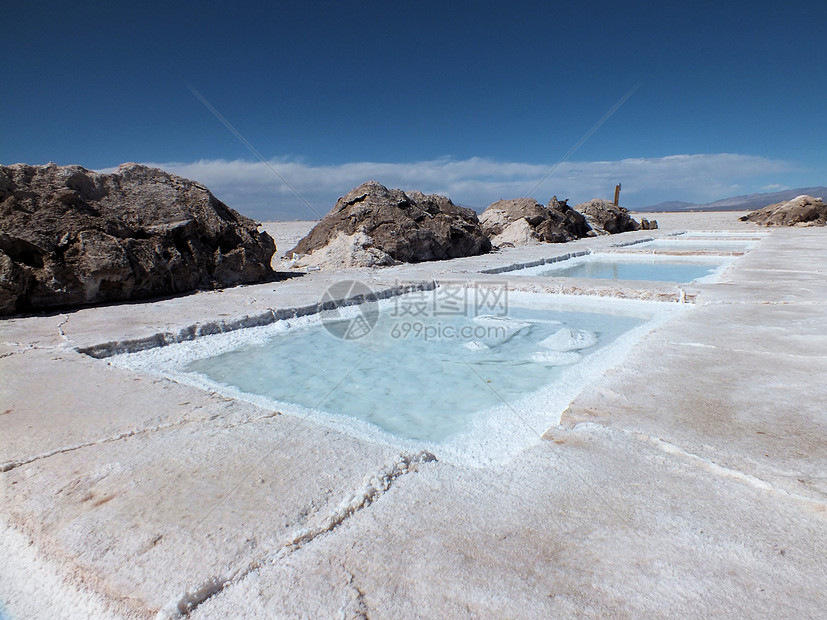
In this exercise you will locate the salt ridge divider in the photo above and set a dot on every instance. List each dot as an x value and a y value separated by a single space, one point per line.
636 241
197 330
536 263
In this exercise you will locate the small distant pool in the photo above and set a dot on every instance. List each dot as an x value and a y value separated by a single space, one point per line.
699 244
618 267
718 234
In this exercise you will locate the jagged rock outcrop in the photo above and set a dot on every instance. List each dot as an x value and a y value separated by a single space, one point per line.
522 221
70 236
647 224
802 210
607 218
373 225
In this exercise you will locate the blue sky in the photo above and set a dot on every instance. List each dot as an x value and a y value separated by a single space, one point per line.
477 100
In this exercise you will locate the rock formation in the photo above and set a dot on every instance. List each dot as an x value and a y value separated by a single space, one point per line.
374 225
801 210
648 225
522 221
70 236
607 218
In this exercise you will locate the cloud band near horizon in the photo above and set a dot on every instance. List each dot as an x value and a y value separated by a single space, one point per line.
251 187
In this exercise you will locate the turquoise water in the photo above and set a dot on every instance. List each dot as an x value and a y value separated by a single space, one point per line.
423 378
709 234
618 269
697 243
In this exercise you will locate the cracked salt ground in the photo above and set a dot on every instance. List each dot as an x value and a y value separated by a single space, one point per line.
374 485
686 481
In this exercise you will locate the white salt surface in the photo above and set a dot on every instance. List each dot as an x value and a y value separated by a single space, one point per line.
674 486
475 400
567 339
31 587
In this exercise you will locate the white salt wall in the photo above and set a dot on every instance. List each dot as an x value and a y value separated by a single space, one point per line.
33 588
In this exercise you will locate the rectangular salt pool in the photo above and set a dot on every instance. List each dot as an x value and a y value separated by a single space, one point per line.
699 244
425 378
629 267
723 234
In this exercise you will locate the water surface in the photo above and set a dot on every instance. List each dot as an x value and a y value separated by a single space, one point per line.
418 378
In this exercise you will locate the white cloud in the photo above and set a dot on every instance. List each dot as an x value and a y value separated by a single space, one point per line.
253 189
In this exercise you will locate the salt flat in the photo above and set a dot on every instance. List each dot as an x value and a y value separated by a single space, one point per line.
687 481
287 235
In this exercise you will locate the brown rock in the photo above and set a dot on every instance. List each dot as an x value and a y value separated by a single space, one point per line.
523 220
606 218
408 227
802 210
70 236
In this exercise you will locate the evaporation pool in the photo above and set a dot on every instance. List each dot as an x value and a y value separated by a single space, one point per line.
723 234
699 243
631 267
421 378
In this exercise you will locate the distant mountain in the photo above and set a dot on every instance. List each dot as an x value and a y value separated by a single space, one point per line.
747 202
